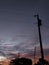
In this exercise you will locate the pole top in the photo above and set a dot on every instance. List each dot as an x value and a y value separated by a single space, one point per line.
38 19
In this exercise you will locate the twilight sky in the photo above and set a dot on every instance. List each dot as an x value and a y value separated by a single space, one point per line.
18 27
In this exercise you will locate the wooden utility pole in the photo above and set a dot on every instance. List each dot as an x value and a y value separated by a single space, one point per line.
40 40
34 55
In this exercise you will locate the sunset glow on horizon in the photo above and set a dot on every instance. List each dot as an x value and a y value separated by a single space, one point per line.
19 29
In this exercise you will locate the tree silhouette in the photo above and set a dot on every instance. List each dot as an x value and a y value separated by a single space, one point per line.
21 61
42 62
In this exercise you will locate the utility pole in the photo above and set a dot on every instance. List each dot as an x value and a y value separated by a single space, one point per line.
34 55
40 40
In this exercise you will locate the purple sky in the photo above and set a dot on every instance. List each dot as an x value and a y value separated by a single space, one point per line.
18 27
